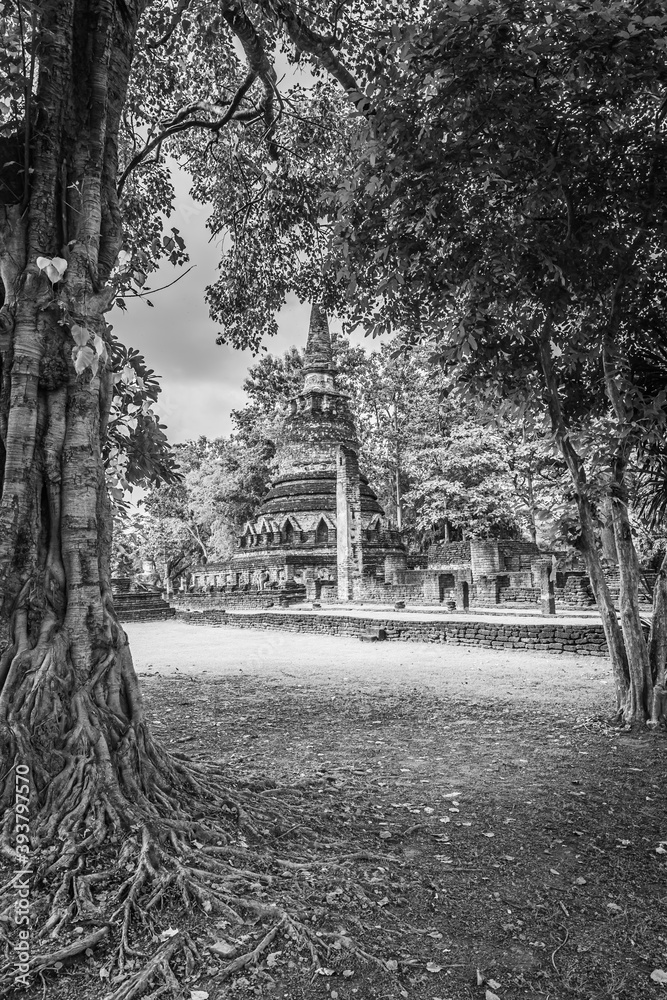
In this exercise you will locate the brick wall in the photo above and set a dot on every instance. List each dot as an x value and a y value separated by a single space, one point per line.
237 600
449 554
587 640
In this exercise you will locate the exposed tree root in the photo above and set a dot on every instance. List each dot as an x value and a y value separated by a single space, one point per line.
184 838
240 884
124 835
41 962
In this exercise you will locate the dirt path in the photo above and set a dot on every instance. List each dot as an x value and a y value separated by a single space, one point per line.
348 664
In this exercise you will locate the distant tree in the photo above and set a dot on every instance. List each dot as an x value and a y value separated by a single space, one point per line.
198 519
463 486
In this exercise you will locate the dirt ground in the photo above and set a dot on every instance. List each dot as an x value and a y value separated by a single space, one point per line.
333 662
465 816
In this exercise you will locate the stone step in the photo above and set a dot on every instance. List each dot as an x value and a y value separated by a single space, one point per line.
373 635
142 606
146 614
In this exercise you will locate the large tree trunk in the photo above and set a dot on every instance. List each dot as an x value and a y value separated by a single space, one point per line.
68 692
603 598
70 707
658 646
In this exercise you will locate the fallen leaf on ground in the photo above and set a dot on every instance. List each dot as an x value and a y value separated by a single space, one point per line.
432 967
223 949
659 976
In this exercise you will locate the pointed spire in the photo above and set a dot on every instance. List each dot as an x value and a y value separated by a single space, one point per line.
319 356
318 361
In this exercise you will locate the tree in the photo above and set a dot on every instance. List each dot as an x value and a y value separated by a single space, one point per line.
199 519
396 400
510 206
93 93
464 483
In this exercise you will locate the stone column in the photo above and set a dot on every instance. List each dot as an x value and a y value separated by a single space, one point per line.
348 522
462 594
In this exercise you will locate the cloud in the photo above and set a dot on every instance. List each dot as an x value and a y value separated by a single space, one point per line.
201 380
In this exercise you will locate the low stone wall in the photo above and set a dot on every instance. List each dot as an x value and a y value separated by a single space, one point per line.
382 593
587 640
251 600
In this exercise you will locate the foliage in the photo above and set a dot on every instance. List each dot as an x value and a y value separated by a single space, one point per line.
510 206
197 519
465 482
136 452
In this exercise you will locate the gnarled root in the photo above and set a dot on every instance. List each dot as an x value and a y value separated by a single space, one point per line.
122 833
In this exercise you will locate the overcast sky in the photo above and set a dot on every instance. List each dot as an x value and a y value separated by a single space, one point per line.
201 381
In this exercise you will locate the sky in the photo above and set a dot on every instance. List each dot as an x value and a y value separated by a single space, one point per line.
201 381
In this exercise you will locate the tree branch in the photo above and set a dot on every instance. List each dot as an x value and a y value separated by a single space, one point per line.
311 42
258 61
180 123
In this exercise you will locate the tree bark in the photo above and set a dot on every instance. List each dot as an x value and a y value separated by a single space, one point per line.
657 647
640 693
587 542
70 707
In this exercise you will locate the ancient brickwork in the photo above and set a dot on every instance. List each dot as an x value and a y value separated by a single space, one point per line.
319 522
348 523
586 639
251 600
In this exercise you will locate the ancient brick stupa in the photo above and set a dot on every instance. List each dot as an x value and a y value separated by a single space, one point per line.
320 524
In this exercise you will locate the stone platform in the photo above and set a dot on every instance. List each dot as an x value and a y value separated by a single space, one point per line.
581 634
141 606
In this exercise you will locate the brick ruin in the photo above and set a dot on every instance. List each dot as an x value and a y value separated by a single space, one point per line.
321 534
320 531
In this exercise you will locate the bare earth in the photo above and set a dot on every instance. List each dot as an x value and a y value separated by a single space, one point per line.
339 662
455 823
